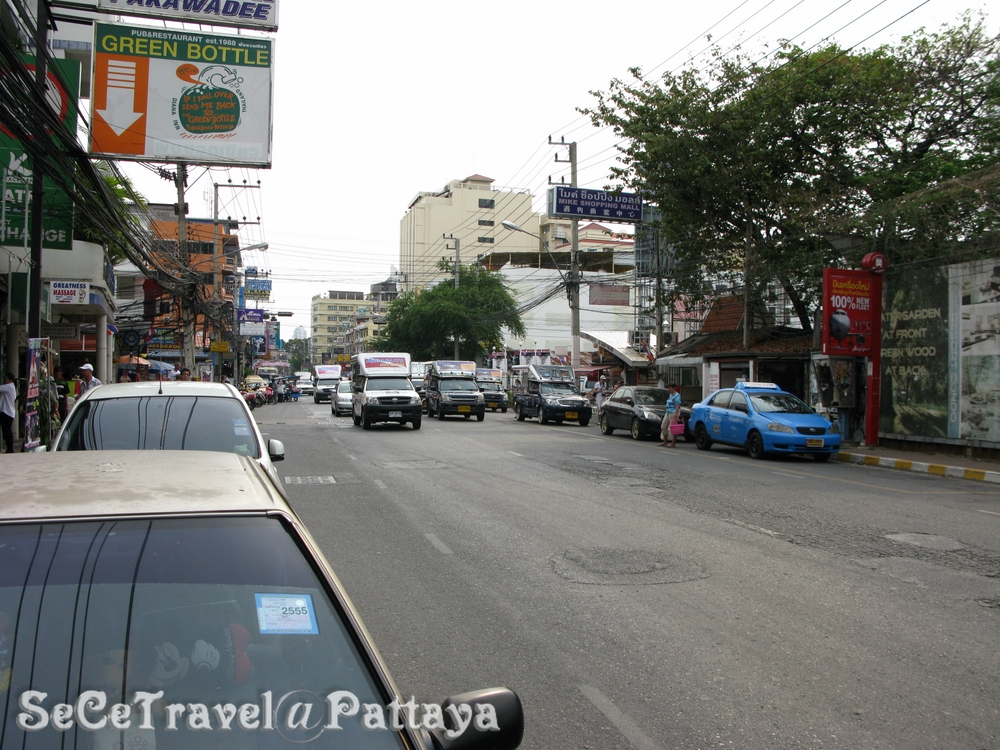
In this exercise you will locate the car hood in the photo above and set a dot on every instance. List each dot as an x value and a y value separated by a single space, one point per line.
796 420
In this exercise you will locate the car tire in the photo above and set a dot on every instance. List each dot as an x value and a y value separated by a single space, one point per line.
821 457
333 411
357 420
542 419
636 430
584 422
440 414
315 400
755 446
503 410
701 439
519 413
416 423
366 423
481 417
605 423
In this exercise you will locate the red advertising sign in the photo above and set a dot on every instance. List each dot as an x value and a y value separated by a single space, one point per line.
849 307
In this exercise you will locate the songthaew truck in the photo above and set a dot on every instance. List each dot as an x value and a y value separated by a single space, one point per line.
550 393
452 389
383 391
325 383
491 384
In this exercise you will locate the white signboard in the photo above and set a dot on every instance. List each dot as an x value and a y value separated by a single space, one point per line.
69 292
256 15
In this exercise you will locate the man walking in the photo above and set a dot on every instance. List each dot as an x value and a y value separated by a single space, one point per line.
89 382
8 411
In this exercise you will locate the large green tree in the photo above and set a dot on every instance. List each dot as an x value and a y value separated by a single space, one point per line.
767 170
297 352
425 322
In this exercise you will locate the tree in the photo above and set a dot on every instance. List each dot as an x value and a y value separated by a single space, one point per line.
297 351
758 168
425 322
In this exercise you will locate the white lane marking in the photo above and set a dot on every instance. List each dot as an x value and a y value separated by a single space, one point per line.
991 512
438 544
351 457
780 474
624 724
380 484
516 454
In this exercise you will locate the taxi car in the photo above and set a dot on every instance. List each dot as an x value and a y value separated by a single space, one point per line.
175 415
175 600
763 419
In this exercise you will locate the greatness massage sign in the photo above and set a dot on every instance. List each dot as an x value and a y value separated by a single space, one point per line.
296 712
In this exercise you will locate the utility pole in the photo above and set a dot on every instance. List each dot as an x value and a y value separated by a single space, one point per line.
658 299
38 183
458 263
574 262
748 244
191 286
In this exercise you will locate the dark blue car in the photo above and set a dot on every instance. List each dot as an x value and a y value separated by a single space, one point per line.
763 419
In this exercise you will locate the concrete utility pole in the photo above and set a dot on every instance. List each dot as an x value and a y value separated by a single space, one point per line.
458 263
38 185
574 261
191 287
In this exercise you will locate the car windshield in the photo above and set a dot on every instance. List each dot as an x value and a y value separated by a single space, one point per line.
193 423
558 389
328 382
221 623
458 384
786 403
651 396
345 387
489 386
389 384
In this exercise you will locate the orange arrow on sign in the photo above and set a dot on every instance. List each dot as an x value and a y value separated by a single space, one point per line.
121 88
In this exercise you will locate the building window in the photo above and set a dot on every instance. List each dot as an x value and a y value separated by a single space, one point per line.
486 222
487 203
487 240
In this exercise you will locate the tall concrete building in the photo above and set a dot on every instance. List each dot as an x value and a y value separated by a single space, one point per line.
471 211
333 314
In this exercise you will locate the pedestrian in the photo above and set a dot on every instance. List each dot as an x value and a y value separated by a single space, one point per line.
88 382
671 416
600 391
185 374
8 411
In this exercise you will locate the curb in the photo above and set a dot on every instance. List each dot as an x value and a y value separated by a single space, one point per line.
959 472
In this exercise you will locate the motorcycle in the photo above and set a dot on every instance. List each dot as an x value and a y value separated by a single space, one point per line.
248 396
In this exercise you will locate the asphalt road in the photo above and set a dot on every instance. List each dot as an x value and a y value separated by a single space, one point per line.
640 597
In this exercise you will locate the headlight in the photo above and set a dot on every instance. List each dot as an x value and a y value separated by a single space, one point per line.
650 414
415 400
778 427
445 397
552 400
373 399
833 430
480 398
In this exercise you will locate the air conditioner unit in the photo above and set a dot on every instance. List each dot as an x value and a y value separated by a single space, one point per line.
670 338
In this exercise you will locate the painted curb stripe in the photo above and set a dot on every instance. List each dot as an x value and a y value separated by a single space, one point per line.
979 475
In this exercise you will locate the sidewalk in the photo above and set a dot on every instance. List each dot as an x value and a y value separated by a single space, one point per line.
925 463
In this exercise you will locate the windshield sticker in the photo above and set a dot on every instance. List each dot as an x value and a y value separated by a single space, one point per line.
286 614
240 427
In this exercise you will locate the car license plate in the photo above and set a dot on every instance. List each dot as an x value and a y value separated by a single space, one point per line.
463 409
572 415
814 442
395 415
493 404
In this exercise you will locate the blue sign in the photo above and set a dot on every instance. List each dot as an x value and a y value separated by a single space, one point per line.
251 316
597 205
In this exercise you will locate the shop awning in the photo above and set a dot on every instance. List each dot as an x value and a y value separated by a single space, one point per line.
617 342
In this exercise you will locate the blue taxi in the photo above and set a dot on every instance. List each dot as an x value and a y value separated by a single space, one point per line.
763 419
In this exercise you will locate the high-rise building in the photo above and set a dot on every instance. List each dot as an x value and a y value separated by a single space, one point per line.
333 314
470 211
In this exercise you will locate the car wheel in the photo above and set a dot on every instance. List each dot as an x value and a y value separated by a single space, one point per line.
821 457
503 410
333 411
636 429
584 422
755 445
606 427
366 423
481 417
440 414
315 400
357 420
519 413
416 423
701 438
542 419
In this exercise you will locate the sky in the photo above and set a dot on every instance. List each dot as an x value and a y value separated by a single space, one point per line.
375 102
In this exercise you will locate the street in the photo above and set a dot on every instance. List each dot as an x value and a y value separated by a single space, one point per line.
640 597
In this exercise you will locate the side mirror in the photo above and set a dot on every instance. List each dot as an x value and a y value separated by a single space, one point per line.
506 709
629 402
276 450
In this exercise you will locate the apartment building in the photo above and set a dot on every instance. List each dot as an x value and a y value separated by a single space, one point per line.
333 315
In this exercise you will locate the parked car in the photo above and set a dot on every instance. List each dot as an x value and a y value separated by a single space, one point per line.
763 419
189 416
176 600
638 409
343 399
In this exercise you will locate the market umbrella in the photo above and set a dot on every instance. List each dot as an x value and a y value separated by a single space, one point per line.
131 359
156 366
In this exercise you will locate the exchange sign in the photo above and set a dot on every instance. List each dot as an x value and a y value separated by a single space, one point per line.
175 95
599 205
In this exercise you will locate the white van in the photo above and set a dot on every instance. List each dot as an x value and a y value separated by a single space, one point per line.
383 391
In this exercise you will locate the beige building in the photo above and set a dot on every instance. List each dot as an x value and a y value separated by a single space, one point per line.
471 211
333 315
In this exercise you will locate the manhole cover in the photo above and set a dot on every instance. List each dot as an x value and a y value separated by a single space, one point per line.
623 567
930 541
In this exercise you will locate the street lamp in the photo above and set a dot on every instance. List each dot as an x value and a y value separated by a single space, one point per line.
572 290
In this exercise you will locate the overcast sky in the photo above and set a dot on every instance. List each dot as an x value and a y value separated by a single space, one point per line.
374 102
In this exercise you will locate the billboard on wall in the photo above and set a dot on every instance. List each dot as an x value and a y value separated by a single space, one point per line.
181 96
848 298
941 352
57 215
256 15
615 295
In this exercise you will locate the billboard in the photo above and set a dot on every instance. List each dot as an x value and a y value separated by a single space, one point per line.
258 289
848 298
247 15
599 205
181 96
251 322
615 295
57 215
